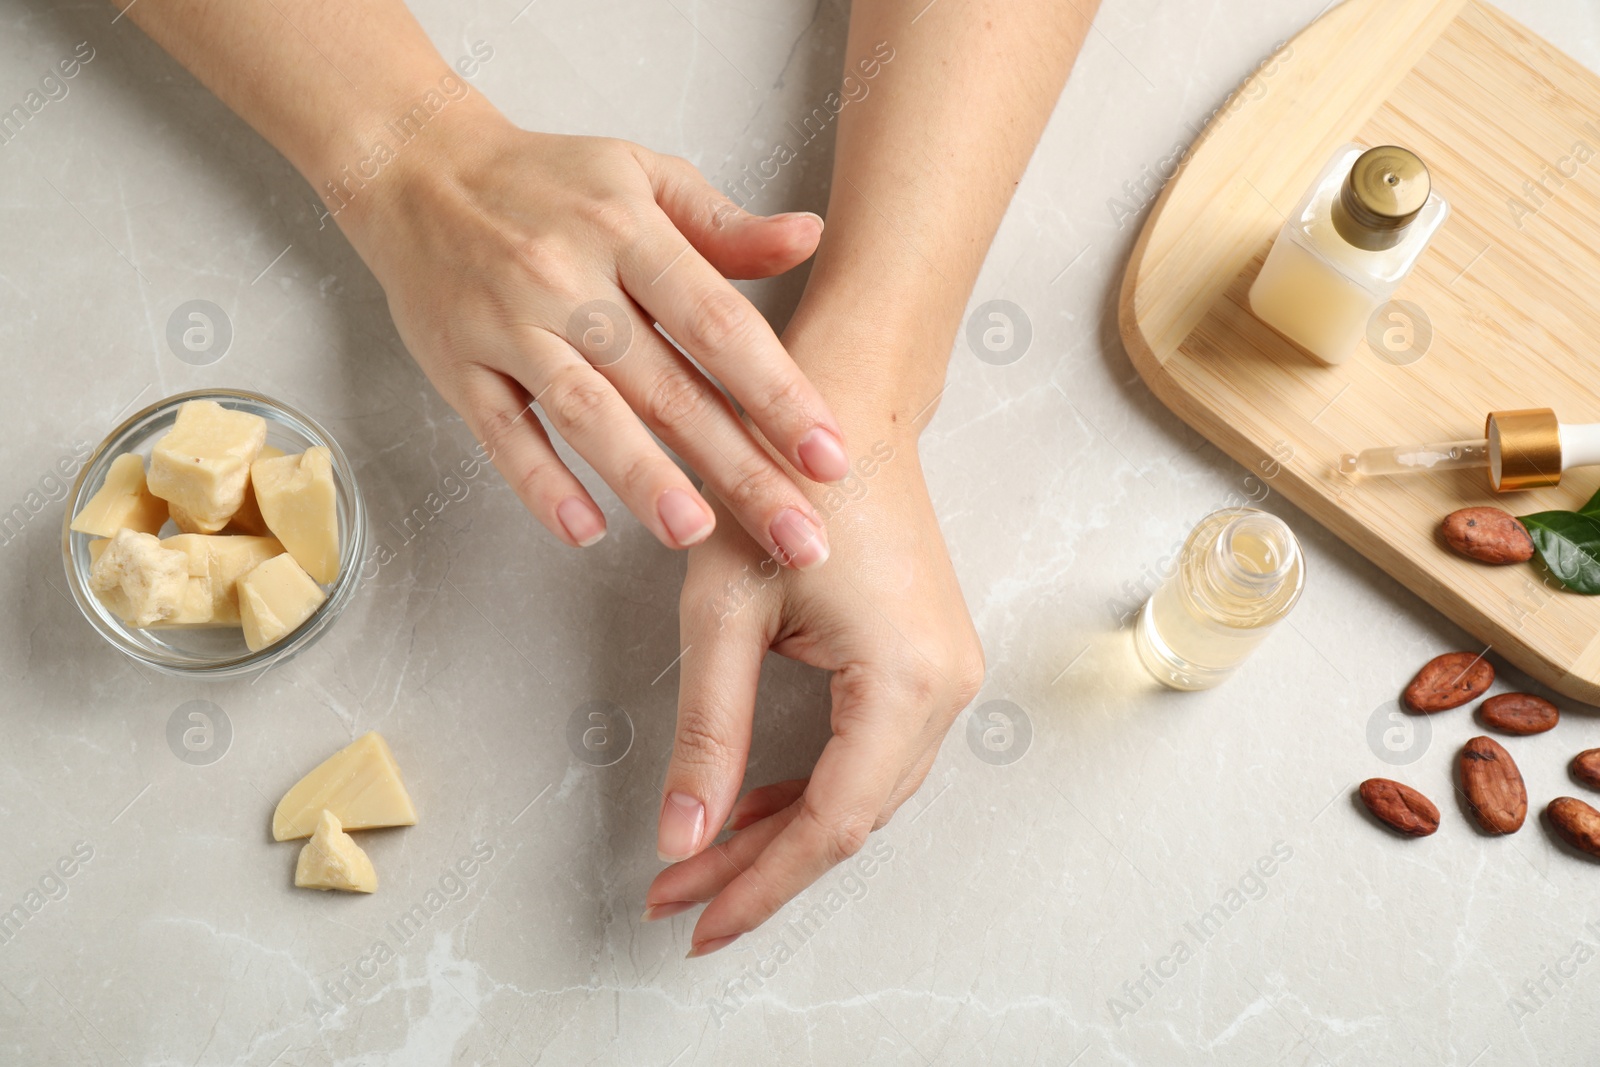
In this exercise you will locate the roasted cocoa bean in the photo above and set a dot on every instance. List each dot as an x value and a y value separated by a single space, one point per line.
1576 822
1487 535
1400 806
1586 767
1449 681
1493 786
1520 713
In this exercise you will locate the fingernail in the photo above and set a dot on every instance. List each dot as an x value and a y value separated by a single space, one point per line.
787 215
583 523
666 911
706 948
685 518
800 544
683 820
823 456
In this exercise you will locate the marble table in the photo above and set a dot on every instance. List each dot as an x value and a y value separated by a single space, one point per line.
1141 877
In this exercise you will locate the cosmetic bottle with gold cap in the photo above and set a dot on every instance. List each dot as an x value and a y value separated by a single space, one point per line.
1346 248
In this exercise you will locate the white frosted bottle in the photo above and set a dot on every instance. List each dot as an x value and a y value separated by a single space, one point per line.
1347 247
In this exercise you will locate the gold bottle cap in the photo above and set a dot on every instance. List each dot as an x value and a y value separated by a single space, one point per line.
1524 449
1385 189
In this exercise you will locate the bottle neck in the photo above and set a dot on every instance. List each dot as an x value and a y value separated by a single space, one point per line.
1252 557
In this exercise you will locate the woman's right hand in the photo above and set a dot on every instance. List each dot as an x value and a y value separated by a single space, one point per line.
525 268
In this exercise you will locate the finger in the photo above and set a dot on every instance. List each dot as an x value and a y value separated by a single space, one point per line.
735 242
763 801
853 777
725 333
697 422
908 784
498 411
699 879
588 413
724 643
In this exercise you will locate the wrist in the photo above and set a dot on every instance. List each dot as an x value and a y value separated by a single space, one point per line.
366 174
878 362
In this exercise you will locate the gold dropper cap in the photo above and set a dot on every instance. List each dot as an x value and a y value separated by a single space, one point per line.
1385 189
1524 449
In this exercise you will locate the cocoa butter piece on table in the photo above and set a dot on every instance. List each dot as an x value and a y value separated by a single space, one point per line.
1449 681
1520 713
1404 809
1576 822
1493 786
1586 767
1487 535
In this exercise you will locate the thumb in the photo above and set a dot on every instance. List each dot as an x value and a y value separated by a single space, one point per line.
735 242
720 668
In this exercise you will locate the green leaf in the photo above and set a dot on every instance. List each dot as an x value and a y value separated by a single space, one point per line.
1569 544
1592 508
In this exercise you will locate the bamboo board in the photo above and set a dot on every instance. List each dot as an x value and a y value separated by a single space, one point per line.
1510 127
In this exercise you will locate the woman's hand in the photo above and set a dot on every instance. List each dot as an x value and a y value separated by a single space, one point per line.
886 616
524 267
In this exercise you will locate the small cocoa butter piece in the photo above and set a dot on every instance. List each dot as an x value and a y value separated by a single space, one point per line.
1520 713
1576 822
1493 786
1586 767
1449 681
1487 535
1401 807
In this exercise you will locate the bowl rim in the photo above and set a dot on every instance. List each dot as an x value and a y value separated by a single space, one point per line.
343 589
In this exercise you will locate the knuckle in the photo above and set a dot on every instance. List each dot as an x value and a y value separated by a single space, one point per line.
577 399
532 483
719 321
968 674
636 475
787 397
676 398
842 837
750 490
616 215
696 743
546 264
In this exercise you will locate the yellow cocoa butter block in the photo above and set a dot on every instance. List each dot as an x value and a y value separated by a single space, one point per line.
201 467
332 860
123 501
222 559
274 599
299 500
360 784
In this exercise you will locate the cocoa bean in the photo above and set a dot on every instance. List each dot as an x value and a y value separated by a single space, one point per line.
1449 681
1520 713
1576 822
1586 767
1488 535
1493 786
1400 806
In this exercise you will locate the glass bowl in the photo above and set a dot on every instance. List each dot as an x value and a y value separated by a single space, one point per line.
220 651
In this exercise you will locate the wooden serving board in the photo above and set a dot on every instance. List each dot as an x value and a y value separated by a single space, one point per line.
1511 286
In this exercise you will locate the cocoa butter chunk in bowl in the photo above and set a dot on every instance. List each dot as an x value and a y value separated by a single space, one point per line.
1586 767
1449 681
1487 535
1576 822
1400 807
1493 786
1519 714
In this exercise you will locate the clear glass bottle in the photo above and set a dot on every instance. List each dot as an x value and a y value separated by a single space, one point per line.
1238 574
1347 247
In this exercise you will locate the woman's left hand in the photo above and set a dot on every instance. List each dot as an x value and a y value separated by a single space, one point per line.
887 617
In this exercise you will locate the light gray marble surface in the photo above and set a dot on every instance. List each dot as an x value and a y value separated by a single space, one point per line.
1019 906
